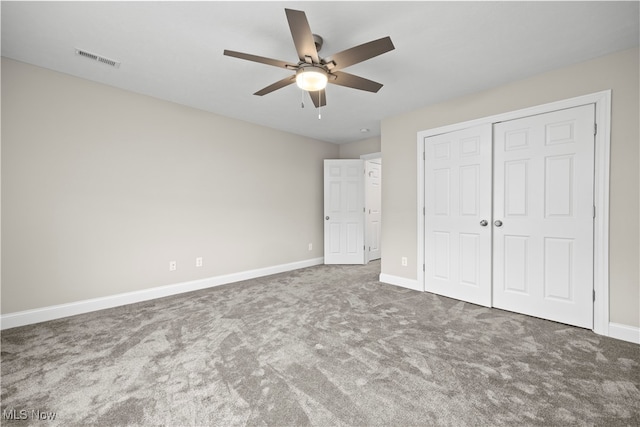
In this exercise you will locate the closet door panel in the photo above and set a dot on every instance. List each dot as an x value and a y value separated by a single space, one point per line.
457 200
543 215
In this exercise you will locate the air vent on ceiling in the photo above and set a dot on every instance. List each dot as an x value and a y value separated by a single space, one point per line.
98 58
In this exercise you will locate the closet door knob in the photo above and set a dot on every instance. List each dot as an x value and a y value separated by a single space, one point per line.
498 223
484 223
326 217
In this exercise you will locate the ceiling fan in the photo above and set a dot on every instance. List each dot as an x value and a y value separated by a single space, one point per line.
312 73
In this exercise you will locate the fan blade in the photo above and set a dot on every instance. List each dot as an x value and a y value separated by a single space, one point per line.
360 53
319 98
277 85
302 35
260 59
355 82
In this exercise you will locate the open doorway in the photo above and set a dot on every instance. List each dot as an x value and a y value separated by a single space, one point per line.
352 209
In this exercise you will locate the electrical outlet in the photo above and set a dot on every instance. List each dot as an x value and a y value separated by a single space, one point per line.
173 266
199 261
310 246
404 261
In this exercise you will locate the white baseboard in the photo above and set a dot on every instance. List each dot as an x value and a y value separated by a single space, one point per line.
624 332
400 281
28 317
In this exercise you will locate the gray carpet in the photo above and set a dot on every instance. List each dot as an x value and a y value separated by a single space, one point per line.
325 346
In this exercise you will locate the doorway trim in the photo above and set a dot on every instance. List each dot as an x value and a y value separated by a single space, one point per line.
371 156
602 101
372 198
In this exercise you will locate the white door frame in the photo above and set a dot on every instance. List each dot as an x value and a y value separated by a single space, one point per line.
602 101
366 157
368 195
371 156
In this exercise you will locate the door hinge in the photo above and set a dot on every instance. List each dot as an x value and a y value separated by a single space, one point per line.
424 156
594 211
595 128
594 295
424 211
423 267
364 210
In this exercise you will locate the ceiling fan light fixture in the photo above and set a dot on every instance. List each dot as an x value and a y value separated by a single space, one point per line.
311 79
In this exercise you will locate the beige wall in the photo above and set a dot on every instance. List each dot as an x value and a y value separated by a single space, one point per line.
618 72
354 150
101 188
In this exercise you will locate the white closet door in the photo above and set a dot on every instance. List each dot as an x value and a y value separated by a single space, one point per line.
543 216
344 212
458 209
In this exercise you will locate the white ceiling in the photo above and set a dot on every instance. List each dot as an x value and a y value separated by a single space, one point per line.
173 51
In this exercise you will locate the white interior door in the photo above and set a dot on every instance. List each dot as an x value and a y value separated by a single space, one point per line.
543 213
344 212
373 208
457 214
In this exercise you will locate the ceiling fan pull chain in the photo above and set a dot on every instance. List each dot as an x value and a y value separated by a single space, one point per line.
302 98
320 105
